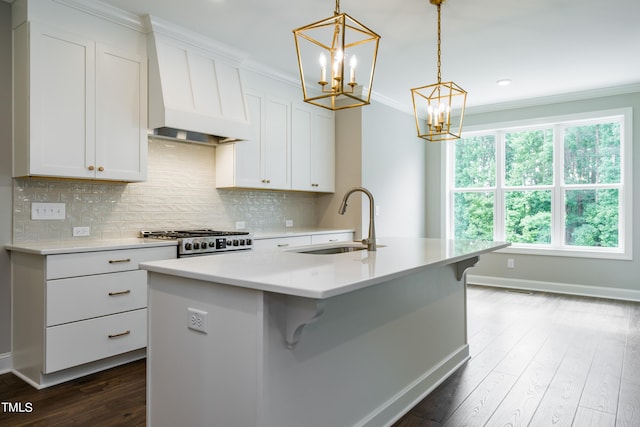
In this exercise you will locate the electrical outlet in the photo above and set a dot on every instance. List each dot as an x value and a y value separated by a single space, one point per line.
288 223
511 263
240 225
45 211
81 231
197 320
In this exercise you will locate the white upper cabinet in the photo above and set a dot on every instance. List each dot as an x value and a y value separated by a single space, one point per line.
263 160
121 100
79 107
292 148
312 149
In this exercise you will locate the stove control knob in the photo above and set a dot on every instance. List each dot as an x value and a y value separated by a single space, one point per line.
196 245
236 243
188 246
212 244
249 242
229 243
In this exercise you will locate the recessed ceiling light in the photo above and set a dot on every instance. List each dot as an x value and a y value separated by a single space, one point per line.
504 82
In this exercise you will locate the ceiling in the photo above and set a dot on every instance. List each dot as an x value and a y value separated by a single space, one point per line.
546 47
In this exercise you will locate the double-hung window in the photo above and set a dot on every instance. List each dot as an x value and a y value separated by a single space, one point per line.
560 185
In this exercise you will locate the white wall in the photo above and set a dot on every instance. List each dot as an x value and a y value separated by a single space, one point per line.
393 169
5 176
377 148
606 276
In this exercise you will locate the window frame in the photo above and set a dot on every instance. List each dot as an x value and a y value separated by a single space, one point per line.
558 187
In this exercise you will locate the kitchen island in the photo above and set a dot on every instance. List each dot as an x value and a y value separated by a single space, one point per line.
285 338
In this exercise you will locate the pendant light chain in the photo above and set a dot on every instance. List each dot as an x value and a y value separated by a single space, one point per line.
337 11
439 51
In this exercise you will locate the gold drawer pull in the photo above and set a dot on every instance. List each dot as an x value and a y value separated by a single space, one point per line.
114 294
283 245
117 261
100 169
121 334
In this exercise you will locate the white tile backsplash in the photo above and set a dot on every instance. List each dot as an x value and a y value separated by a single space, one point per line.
179 193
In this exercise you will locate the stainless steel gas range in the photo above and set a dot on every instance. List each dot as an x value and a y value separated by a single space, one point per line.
204 242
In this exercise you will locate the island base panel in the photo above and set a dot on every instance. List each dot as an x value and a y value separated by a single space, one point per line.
369 357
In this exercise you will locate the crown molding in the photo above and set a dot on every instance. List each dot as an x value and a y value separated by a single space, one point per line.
107 12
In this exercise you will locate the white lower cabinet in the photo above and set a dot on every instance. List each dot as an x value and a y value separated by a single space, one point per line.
301 240
81 342
331 238
281 242
78 313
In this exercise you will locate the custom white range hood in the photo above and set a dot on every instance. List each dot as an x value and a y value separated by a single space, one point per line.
195 89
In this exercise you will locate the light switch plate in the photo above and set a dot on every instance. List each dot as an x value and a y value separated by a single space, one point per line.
46 211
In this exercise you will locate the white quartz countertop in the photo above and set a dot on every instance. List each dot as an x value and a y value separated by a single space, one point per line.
288 272
49 248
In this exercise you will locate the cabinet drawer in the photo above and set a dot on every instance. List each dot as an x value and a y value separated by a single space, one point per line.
330 238
281 242
80 298
76 343
87 263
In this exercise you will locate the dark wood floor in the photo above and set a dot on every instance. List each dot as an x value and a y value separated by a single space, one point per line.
537 360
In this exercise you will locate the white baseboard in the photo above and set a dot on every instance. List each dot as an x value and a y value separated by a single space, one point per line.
393 409
5 363
558 288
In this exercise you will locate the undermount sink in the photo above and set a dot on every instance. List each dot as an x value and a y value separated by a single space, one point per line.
334 250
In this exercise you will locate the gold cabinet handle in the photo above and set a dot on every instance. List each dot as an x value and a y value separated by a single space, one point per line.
115 294
121 334
118 261
283 245
91 167
100 169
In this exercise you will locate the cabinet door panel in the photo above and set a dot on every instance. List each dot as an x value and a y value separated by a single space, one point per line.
88 263
323 152
281 242
121 145
247 155
331 238
80 298
62 103
276 145
301 137
76 343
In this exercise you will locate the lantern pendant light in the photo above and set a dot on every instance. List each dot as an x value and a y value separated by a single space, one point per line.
439 108
337 59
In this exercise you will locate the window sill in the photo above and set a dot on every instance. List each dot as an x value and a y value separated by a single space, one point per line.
572 253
